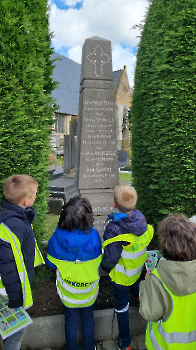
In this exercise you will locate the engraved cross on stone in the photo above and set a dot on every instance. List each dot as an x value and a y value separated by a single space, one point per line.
98 58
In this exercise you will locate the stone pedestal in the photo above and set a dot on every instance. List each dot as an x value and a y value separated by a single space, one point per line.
96 172
67 154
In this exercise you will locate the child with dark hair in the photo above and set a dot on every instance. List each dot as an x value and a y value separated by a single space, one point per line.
168 295
75 251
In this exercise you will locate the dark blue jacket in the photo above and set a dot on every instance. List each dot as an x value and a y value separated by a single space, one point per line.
75 245
19 222
121 223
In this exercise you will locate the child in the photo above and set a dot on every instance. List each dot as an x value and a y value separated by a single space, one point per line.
17 244
168 296
75 250
126 237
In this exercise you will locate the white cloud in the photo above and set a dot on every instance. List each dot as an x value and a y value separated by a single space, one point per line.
124 57
108 19
75 53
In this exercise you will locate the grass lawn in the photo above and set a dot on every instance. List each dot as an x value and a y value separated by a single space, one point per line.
50 223
125 176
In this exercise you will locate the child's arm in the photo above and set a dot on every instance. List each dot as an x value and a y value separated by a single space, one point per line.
136 224
97 246
112 252
155 302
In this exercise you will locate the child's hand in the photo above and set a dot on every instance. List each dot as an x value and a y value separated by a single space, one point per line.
148 273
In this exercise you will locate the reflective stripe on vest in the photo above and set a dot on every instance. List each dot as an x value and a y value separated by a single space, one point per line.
70 289
152 338
73 302
5 233
9 237
128 273
178 329
128 255
77 281
133 257
177 337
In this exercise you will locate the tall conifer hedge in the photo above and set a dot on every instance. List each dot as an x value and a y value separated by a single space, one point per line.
25 89
163 113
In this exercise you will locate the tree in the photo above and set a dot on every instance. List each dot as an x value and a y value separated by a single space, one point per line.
164 111
25 90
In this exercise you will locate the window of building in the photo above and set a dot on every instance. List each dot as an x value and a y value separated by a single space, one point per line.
59 123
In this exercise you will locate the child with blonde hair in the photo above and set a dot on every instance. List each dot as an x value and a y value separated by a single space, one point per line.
17 246
126 237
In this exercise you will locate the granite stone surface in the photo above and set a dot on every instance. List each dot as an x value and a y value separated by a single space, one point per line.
96 171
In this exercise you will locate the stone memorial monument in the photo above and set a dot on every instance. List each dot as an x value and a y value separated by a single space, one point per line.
96 171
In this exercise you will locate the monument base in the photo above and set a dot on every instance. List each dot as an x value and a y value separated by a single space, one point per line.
99 224
102 201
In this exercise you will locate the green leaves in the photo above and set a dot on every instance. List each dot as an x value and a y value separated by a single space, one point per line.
163 111
25 95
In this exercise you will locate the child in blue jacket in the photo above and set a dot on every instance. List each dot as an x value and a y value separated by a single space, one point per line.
75 251
126 224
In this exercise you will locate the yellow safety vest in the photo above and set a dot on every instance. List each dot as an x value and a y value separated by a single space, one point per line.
9 237
77 281
133 257
178 331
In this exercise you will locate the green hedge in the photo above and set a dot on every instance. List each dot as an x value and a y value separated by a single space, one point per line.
163 112
25 95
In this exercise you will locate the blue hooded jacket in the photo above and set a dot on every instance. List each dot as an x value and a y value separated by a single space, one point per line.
75 245
121 223
18 220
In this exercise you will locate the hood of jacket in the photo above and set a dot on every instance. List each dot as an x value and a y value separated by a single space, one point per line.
134 222
8 210
74 241
178 276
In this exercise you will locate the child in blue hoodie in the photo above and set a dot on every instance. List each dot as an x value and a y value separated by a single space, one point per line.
75 251
126 237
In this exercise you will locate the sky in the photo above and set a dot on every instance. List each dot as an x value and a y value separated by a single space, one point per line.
72 21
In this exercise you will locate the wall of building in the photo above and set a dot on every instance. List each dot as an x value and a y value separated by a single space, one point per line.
123 96
123 101
61 126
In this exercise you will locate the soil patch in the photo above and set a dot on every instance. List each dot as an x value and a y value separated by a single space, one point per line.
46 301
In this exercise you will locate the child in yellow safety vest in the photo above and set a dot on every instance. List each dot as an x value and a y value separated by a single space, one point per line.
75 251
17 247
126 238
168 295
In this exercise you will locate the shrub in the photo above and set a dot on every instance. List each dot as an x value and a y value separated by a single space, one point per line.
25 90
163 112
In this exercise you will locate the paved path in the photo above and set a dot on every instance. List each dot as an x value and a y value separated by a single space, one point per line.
138 343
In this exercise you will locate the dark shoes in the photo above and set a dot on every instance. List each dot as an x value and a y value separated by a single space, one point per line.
119 347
